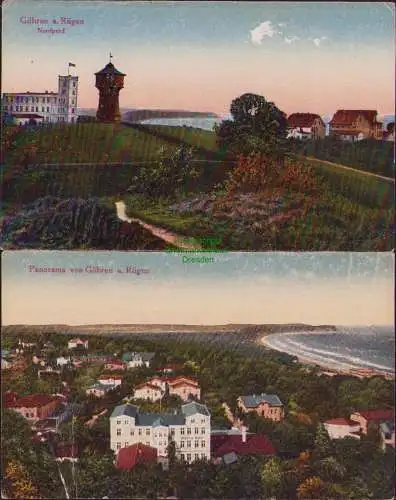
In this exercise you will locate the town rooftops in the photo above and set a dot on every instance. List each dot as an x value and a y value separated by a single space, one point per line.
148 385
348 116
192 408
129 456
32 401
302 120
377 415
255 444
182 380
255 400
110 69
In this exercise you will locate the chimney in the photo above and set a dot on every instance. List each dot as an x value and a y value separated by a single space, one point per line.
243 429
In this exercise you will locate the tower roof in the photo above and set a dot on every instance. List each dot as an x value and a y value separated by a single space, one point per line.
109 69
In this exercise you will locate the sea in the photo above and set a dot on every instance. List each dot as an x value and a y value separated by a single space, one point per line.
370 347
204 123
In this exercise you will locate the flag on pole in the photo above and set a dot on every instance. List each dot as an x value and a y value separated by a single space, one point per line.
72 65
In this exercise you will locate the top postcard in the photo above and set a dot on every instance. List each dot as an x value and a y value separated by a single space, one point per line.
198 126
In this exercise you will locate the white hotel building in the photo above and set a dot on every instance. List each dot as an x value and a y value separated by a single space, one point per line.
44 107
188 427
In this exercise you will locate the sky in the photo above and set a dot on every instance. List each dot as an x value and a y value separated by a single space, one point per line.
304 56
314 288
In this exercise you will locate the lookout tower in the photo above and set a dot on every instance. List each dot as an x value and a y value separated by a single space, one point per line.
109 82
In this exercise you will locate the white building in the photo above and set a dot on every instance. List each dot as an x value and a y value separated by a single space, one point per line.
46 107
138 359
72 344
339 428
189 428
148 391
61 361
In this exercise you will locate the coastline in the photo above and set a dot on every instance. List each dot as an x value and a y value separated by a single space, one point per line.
326 368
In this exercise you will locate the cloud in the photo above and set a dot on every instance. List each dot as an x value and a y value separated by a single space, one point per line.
264 29
291 39
318 41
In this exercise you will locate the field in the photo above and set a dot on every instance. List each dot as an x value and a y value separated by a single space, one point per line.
354 211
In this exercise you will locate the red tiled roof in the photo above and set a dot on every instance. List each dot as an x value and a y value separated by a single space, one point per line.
340 421
255 444
33 401
184 382
348 116
128 457
303 120
374 415
180 379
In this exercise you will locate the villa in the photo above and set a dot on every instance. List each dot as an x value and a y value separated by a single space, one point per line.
265 405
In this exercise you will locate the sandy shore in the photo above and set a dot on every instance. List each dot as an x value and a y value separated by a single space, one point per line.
328 368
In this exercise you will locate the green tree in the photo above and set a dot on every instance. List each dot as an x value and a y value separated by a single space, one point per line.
271 477
258 126
323 444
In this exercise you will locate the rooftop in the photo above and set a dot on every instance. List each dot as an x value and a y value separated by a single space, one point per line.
341 421
376 415
32 401
255 400
302 120
255 444
110 69
129 456
348 116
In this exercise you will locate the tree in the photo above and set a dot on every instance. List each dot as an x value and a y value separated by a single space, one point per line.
323 445
258 126
18 481
312 488
271 477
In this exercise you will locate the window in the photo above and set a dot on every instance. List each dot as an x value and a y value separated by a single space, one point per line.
47 109
74 92
72 110
42 109
202 421
203 455
147 432
126 444
182 443
74 84
172 432
126 422
132 432
188 444
25 100
192 420
188 457
203 430
188 430
196 456
36 108
118 421
118 432
182 456
140 432
203 443
196 430
196 444
182 431
48 100
118 446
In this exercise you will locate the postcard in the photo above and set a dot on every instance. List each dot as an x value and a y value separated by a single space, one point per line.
241 126
139 375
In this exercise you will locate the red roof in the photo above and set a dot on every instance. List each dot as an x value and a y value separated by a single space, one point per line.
128 457
33 401
184 382
182 379
348 116
9 398
375 415
341 421
255 444
302 120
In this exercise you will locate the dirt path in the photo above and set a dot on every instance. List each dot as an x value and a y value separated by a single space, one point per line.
338 165
165 235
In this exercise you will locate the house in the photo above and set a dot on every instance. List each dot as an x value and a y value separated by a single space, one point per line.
110 380
265 405
138 453
5 364
306 126
188 427
354 125
35 406
99 390
231 443
339 428
376 417
138 359
74 343
62 360
66 451
26 345
387 432
148 391
184 387
96 359
115 364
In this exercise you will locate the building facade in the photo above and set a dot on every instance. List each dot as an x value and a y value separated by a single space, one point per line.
265 405
355 125
35 406
44 107
306 126
109 81
189 428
